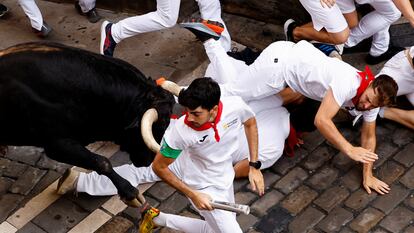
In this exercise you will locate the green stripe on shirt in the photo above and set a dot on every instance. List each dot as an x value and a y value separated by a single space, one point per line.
169 152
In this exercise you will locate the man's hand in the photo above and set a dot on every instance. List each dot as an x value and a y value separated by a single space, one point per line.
362 155
256 180
201 200
327 3
373 183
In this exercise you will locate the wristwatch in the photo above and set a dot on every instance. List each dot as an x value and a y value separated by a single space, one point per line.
256 164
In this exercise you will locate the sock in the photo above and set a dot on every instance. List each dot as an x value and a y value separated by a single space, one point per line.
381 112
160 220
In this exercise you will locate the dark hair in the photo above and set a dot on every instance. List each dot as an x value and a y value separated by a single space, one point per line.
387 89
204 92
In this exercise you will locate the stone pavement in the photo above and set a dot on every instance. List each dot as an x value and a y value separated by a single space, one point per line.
318 190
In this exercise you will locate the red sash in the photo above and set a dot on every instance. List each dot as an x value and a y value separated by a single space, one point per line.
366 78
208 125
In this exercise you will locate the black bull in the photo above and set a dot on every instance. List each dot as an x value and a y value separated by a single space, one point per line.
62 99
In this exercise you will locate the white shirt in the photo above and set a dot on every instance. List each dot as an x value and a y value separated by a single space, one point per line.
209 162
312 73
400 69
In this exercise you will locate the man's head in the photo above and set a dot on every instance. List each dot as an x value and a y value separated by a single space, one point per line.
201 101
380 92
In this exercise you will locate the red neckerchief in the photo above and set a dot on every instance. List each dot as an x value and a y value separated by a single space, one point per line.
208 125
366 78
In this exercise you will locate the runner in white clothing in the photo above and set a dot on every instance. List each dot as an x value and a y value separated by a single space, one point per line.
32 11
209 136
308 71
336 22
401 68
165 16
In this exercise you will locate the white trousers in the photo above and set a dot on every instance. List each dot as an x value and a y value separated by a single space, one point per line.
236 78
329 18
375 24
215 221
87 5
400 69
33 13
166 16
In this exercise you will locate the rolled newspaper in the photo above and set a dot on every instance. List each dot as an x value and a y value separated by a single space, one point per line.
238 208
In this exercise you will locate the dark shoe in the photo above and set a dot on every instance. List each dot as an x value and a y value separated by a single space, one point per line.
44 31
204 29
392 50
288 28
91 15
107 46
3 10
247 55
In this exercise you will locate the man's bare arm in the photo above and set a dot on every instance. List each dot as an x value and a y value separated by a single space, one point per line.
160 167
324 123
369 141
255 175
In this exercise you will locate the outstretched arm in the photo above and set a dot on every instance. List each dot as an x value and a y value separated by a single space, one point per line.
368 141
255 175
160 167
323 121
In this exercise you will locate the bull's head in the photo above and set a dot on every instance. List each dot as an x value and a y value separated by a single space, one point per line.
157 115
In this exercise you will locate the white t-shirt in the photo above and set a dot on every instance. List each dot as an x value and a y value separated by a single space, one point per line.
312 73
209 162
400 69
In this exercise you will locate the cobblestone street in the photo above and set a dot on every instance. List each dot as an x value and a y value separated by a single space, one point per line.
317 190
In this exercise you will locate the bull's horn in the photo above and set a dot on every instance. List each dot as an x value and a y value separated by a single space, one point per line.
169 86
149 117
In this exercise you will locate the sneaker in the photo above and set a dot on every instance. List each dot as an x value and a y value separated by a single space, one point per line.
91 15
204 29
247 55
3 10
44 31
288 28
329 50
108 44
147 224
68 181
392 50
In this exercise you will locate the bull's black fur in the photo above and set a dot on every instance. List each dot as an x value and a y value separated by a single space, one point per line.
63 98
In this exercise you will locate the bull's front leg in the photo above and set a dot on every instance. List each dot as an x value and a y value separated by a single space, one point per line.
72 152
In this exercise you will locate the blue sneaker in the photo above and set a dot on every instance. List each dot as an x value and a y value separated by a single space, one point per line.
107 46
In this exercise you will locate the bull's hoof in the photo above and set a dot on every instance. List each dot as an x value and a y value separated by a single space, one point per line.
68 181
136 202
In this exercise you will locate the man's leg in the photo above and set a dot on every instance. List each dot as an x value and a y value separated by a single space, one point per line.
273 129
87 5
100 185
33 13
211 10
165 16
261 79
328 24
377 21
